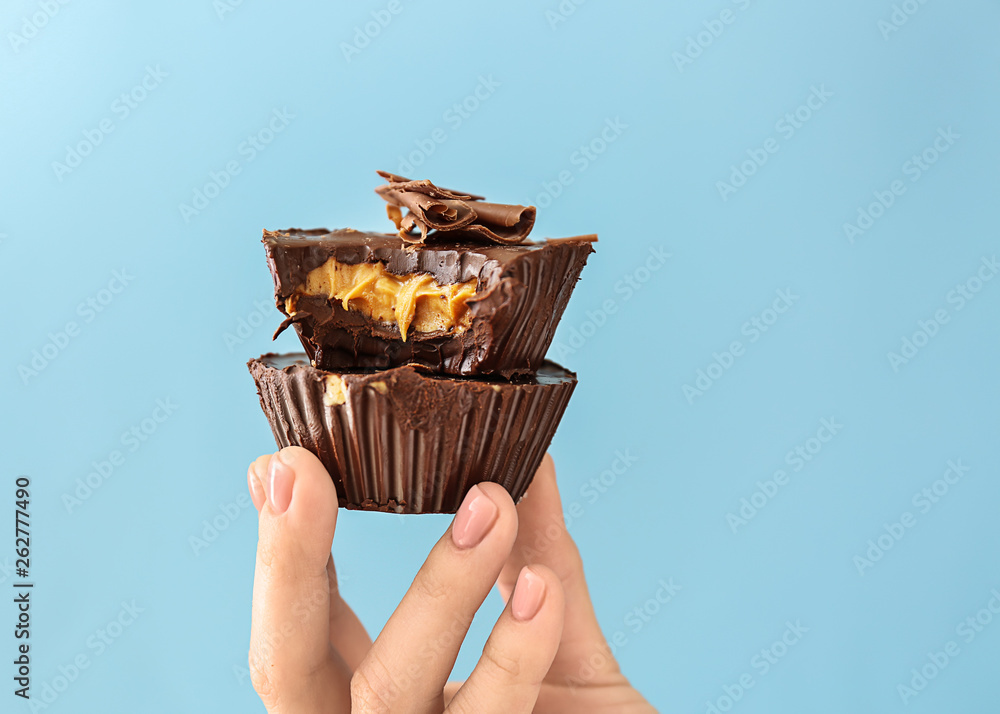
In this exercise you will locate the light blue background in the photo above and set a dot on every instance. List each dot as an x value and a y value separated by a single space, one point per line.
165 335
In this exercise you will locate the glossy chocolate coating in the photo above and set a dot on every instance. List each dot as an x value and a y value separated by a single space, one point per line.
522 291
404 441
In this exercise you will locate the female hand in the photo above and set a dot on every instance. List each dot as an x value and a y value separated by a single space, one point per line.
310 653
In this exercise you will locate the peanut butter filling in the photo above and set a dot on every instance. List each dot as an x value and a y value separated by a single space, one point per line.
414 301
333 391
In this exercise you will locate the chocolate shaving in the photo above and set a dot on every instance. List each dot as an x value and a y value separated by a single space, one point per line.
288 321
432 208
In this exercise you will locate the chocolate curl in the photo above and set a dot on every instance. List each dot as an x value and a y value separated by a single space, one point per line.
503 223
431 207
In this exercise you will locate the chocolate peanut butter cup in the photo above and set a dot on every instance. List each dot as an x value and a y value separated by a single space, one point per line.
406 441
454 305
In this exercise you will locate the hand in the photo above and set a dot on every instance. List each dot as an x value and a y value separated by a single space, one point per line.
310 653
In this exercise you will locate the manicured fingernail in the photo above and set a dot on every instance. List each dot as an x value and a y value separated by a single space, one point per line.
279 478
475 517
529 593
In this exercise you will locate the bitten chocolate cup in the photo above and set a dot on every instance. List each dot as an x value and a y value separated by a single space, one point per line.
405 441
374 301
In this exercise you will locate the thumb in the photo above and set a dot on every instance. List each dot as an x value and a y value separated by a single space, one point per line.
293 665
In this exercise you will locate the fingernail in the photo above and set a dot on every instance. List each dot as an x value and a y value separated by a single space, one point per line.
529 593
279 477
474 519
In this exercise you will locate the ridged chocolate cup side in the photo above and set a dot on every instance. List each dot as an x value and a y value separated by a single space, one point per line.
404 441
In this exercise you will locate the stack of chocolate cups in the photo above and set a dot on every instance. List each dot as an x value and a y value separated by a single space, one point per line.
424 368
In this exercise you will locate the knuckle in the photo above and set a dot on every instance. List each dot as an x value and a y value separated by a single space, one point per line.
261 679
501 664
270 676
573 552
570 563
265 551
371 689
431 586
462 705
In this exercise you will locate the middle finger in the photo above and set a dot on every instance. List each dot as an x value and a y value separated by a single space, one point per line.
410 661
